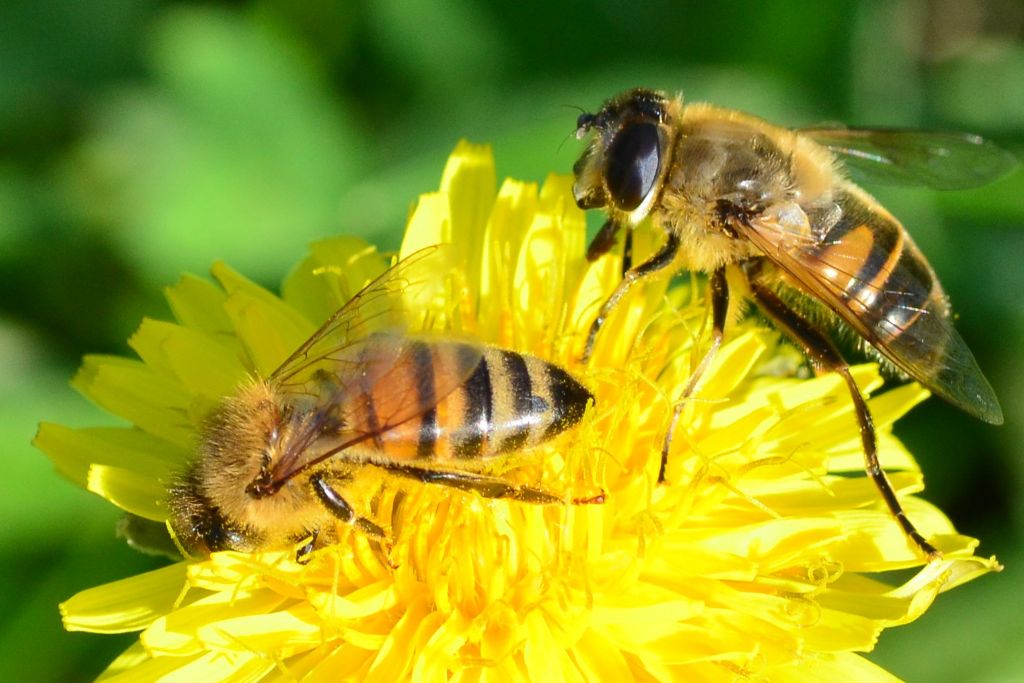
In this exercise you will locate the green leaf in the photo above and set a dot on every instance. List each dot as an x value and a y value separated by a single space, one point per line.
235 149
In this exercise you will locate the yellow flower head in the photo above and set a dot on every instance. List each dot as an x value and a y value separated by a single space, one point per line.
766 556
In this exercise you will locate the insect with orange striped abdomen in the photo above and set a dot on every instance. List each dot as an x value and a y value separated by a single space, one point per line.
274 456
772 206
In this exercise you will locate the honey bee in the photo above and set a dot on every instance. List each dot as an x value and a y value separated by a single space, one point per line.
273 457
773 207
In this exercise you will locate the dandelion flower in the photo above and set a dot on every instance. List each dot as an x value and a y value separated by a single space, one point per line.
767 555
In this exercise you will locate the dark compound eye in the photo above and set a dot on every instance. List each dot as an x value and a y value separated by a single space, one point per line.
634 159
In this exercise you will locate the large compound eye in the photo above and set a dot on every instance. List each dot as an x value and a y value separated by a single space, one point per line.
634 159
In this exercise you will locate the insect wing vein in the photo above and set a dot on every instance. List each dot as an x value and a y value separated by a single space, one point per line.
936 159
927 348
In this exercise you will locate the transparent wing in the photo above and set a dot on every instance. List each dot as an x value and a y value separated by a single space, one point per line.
340 369
941 160
387 380
386 304
880 285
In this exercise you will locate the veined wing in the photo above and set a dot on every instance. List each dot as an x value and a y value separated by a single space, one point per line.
937 159
389 380
380 306
361 373
866 268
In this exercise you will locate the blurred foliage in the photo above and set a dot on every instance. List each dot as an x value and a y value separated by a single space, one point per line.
143 138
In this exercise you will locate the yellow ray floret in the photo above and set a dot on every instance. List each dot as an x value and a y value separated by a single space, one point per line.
768 553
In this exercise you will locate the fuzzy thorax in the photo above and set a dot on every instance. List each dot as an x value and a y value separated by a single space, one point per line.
213 506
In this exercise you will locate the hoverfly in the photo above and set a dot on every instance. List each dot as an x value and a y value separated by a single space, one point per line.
732 191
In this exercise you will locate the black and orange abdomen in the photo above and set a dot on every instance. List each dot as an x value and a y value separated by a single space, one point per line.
507 402
867 269
878 272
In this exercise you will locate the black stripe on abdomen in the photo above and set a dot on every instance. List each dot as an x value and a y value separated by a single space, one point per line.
423 365
568 400
886 251
521 388
371 416
478 426
907 296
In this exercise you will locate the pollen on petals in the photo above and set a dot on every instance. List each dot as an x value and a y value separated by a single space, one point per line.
767 554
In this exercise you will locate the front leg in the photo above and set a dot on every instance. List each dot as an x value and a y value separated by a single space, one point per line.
661 259
603 241
305 553
340 508
627 252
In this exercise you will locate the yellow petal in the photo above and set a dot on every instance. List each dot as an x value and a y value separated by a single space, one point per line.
149 670
199 304
181 632
829 667
268 328
600 658
128 388
229 667
74 451
364 602
513 212
430 224
396 655
330 275
130 604
141 494
201 363
286 632
469 183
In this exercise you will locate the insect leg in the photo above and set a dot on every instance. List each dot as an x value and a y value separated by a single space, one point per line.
603 241
627 252
340 508
719 309
303 554
486 486
660 260
824 355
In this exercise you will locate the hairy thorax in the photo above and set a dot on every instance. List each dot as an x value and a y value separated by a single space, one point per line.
727 163
249 433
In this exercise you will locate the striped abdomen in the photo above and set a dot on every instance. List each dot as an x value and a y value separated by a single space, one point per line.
879 274
466 401
864 265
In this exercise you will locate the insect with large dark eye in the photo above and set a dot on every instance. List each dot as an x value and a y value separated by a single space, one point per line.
274 457
732 191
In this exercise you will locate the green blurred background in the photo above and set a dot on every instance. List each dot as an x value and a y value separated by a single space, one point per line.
141 138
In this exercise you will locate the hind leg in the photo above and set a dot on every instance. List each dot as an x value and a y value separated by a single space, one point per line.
824 356
486 486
